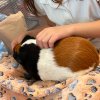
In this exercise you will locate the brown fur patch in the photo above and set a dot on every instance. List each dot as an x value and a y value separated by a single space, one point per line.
76 53
17 48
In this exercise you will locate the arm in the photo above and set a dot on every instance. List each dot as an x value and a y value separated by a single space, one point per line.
88 30
44 23
47 37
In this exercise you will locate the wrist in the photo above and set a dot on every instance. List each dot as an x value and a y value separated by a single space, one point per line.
71 30
75 29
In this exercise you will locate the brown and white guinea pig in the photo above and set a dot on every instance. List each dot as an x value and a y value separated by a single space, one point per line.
70 57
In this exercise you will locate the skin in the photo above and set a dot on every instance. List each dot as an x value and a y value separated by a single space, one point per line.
47 37
47 34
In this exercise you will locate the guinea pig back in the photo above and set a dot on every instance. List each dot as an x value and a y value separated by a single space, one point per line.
76 53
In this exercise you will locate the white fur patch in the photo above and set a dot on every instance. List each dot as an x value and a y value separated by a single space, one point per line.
30 41
49 70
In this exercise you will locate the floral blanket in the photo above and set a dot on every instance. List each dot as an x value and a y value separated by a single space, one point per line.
13 86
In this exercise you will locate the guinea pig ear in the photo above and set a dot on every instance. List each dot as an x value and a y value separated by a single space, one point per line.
17 48
19 54
16 52
98 50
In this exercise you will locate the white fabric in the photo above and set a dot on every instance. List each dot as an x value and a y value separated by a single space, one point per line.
71 11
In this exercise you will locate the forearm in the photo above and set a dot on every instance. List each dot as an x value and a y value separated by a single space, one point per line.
88 30
44 23
35 31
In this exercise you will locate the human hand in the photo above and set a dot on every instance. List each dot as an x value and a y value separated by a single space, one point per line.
17 40
48 36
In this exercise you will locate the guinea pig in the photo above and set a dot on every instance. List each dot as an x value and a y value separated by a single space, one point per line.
70 57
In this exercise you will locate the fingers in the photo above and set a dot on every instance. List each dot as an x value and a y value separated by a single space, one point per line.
43 41
46 39
40 39
43 38
52 40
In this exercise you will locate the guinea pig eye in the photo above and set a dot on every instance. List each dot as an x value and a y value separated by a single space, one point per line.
19 61
15 55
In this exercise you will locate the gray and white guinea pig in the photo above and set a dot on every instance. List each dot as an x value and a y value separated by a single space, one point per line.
70 57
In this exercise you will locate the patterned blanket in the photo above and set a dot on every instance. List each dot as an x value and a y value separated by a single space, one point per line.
13 86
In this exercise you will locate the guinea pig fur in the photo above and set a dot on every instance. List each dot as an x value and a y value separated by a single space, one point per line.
70 57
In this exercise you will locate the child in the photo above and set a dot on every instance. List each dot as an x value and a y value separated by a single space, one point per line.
68 18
